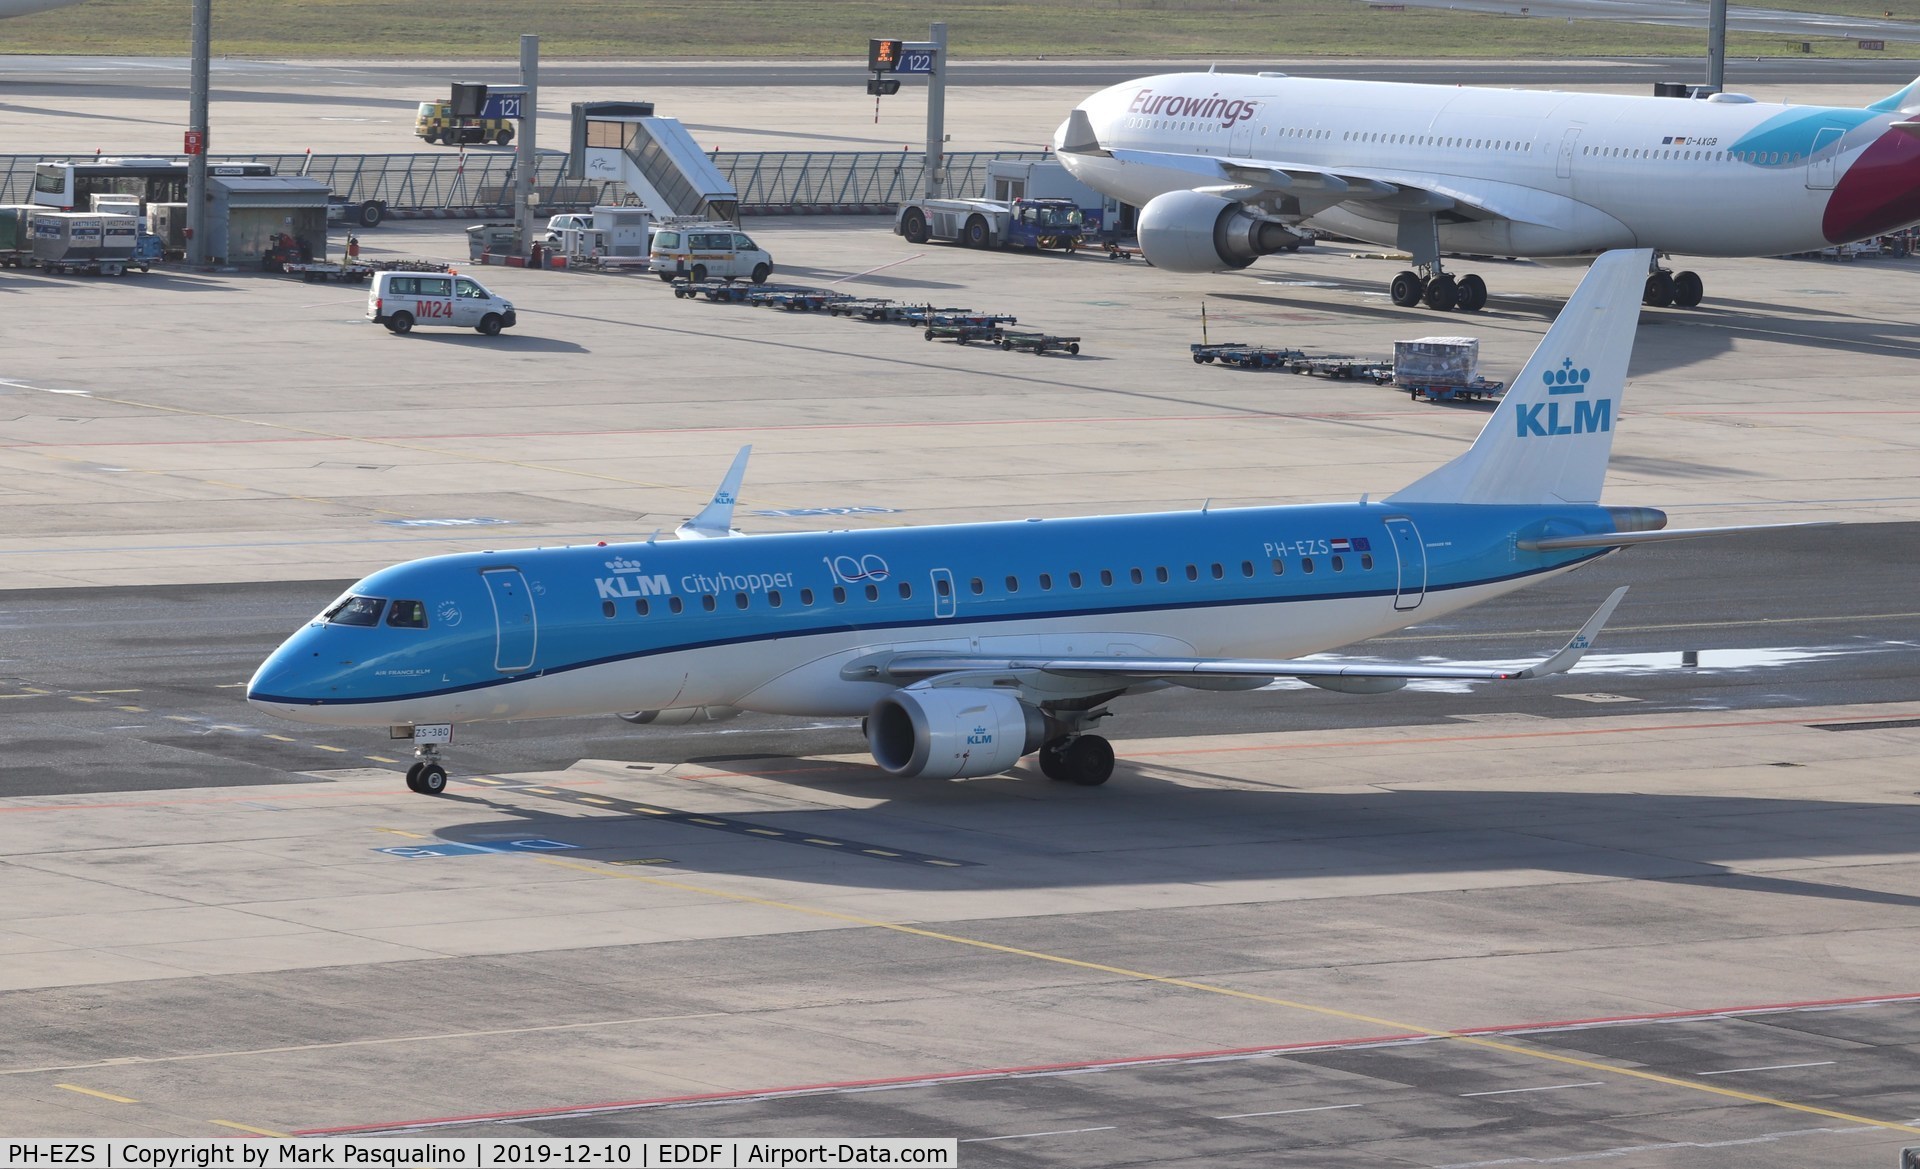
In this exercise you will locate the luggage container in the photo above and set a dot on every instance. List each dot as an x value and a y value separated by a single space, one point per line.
73 241
1436 361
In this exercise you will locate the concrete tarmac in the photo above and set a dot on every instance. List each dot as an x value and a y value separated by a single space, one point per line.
1296 929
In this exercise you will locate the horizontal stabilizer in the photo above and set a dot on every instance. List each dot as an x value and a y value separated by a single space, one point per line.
1627 539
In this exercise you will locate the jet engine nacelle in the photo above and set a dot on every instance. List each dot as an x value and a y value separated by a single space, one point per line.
1186 231
952 732
680 716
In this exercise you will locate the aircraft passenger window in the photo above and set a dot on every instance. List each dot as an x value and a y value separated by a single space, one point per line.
739 600
674 605
906 591
839 595
1160 574
806 596
873 592
1013 584
1046 582
1219 573
1366 561
1193 572
407 615
941 587
707 602
1073 580
1279 567
640 607
977 585
1339 565
356 611
773 598
606 608
1246 568
1306 564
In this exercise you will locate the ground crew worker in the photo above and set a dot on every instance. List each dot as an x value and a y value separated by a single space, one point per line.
353 248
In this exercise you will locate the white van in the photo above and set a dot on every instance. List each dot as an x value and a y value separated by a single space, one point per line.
707 251
401 300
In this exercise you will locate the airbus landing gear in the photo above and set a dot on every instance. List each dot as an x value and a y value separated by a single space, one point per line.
427 776
1680 289
1086 760
1440 291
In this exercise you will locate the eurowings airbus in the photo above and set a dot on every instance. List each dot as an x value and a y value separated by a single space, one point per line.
1223 166
969 646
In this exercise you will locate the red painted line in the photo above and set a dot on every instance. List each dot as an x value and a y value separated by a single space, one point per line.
1103 1064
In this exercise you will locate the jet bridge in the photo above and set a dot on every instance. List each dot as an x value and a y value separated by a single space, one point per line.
655 157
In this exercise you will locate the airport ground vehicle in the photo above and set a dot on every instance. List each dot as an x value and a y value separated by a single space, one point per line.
574 221
401 300
321 270
704 251
986 223
435 122
16 235
1441 369
72 241
70 186
365 212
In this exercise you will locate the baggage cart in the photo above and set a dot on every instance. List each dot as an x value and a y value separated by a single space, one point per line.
1345 368
1038 343
1478 389
318 271
1245 356
73 241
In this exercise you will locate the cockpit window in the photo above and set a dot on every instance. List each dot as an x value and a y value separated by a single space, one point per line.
407 614
352 610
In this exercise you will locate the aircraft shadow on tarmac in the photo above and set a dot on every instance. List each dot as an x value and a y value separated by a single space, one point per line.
1141 829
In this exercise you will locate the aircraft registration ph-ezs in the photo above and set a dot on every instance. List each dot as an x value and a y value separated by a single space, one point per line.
1224 166
969 646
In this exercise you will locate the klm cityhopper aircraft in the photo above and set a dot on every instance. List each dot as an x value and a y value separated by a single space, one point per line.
968 646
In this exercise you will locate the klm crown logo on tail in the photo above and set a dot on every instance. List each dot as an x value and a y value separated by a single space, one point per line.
1542 419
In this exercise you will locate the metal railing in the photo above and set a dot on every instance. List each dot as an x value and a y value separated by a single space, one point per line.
443 183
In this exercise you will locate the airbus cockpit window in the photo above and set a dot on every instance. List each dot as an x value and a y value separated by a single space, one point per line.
407 614
352 610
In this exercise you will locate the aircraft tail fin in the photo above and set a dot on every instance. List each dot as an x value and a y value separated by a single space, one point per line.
1552 434
1906 101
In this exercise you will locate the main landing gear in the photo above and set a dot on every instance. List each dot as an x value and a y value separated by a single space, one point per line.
1666 287
1086 760
427 776
1438 290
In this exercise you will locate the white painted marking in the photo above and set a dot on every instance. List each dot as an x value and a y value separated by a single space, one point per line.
1021 1136
1772 1067
1542 1088
1288 1111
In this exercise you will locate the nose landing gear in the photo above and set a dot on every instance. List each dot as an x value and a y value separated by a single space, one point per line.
427 776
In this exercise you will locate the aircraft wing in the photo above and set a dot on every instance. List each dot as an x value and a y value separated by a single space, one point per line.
1258 179
909 667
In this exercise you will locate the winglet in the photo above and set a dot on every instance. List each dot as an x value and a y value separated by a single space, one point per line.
1582 641
716 519
1077 136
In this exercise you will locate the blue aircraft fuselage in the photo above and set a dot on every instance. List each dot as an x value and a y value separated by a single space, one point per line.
770 622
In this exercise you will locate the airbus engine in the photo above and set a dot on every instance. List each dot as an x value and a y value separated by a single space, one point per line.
1186 231
681 716
952 732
